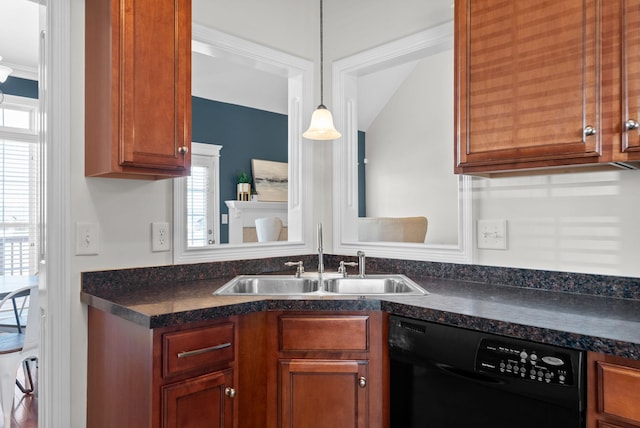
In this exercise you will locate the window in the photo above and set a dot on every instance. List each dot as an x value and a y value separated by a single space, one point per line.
19 187
201 198
197 206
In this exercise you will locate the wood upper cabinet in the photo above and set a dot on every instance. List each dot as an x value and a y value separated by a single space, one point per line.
631 77
538 85
613 388
138 88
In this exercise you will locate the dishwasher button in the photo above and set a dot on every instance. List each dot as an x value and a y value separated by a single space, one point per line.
553 361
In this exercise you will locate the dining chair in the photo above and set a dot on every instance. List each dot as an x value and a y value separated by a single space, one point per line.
18 348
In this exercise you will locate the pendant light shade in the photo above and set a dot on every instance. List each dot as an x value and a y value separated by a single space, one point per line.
321 126
4 72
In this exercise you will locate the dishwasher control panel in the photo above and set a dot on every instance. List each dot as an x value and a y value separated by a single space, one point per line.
536 364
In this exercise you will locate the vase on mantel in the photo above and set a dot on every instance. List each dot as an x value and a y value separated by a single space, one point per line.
244 191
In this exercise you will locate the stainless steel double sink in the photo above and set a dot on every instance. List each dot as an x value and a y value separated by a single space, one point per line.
277 285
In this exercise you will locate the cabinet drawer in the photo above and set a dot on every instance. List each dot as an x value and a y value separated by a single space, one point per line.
324 333
619 389
200 349
607 425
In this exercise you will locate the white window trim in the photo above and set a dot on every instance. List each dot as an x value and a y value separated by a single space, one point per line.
300 199
26 104
182 253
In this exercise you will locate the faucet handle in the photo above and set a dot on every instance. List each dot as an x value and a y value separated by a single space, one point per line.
343 267
299 270
361 263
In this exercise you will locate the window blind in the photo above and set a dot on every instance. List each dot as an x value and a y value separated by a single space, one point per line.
19 192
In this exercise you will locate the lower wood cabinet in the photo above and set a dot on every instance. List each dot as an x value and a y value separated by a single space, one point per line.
328 370
179 377
613 392
199 402
324 393
264 369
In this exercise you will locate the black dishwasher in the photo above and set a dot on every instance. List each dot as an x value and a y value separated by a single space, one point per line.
449 377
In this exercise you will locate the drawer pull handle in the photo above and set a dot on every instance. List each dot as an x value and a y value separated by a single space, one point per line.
589 130
229 392
203 350
183 150
631 124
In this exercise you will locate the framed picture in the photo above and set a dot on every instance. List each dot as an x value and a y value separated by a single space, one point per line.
271 180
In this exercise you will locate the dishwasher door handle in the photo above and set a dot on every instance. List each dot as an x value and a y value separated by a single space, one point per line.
468 375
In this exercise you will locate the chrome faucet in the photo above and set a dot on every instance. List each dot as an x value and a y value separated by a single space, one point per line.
300 267
320 255
361 262
342 269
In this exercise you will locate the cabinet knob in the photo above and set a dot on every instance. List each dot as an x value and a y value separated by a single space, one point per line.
229 392
589 130
362 382
183 150
631 124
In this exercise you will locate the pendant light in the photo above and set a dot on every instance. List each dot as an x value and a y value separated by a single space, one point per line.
4 72
321 126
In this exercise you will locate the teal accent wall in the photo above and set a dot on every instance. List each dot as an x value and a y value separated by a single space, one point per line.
244 133
20 87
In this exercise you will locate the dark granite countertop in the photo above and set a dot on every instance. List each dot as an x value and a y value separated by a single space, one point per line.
588 322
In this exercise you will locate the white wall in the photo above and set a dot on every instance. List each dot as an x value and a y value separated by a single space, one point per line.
409 168
582 222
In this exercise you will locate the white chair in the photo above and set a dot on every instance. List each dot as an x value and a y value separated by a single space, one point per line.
268 228
392 229
16 348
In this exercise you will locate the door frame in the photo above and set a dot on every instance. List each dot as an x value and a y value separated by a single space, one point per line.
54 409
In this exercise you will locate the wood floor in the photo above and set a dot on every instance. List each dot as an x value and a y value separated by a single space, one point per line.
25 406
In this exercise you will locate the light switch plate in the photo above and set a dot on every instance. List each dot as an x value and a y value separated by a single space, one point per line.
492 234
86 239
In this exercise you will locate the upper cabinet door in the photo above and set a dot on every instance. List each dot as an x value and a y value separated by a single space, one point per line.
137 88
155 83
527 84
631 77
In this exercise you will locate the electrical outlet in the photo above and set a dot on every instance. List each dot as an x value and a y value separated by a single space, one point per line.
492 234
86 239
160 238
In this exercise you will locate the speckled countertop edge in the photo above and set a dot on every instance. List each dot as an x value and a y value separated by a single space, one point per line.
603 321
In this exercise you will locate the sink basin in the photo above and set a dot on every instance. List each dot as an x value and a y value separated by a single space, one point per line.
374 284
268 285
275 285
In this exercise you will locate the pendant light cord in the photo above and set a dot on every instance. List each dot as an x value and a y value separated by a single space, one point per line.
321 58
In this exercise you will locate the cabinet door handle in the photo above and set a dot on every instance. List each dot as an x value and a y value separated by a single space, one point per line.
186 354
362 382
229 392
589 130
631 124
183 150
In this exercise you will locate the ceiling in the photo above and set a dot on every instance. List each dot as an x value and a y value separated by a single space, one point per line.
19 36
213 78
